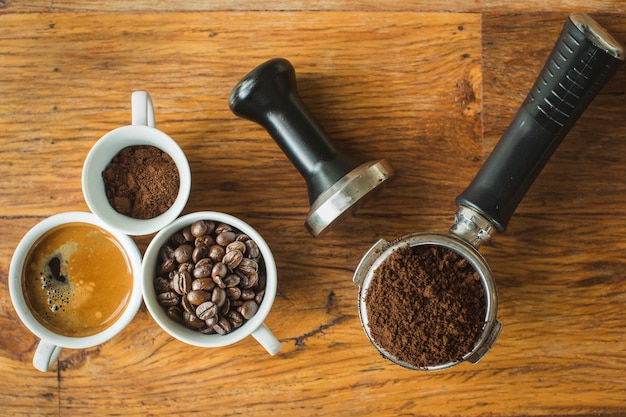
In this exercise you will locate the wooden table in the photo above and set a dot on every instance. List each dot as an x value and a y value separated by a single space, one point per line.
430 86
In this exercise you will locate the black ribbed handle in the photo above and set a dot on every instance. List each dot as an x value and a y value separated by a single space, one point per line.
582 61
268 95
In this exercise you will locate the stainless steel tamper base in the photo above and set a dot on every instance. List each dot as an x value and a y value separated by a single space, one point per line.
343 197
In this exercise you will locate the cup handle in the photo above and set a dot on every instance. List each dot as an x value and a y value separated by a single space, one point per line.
142 109
264 336
46 355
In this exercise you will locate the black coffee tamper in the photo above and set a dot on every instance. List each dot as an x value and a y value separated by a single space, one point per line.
336 184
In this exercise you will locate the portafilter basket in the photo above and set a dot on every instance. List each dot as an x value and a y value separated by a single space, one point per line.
583 59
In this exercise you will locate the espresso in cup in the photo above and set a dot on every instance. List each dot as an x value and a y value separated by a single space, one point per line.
77 280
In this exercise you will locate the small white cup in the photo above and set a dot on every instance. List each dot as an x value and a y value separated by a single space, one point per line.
51 343
141 132
255 326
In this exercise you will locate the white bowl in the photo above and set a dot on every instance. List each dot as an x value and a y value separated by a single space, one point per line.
254 326
101 155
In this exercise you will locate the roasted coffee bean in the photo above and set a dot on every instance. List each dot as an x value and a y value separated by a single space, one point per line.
199 253
248 309
219 271
236 245
168 265
259 297
235 318
175 313
232 280
168 299
242 237
197 297
162 285
178 239
207 330
210 226
204 284
243 279
183 253
247 294
222 326
234 293
225 308
205 240
261 282
252 280
232 259
218 296
182 282
203 268
166 252
212 320
225 238
199 228
219 282
189 237
187 266
248 266
192 321
252 250
216 253
206 310
187 306
223 227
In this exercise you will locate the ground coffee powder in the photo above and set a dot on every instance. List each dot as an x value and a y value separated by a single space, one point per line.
141 182
426 305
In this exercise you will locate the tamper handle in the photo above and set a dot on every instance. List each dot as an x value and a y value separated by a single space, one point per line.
582 61
268 95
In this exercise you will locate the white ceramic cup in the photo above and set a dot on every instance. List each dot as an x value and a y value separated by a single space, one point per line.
141 132
255 326
51 343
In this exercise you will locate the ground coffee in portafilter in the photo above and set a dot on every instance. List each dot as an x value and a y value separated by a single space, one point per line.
426 305
211 277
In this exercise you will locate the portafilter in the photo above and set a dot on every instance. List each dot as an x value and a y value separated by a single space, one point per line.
583 59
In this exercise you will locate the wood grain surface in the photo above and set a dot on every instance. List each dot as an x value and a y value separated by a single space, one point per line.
428 88
480 6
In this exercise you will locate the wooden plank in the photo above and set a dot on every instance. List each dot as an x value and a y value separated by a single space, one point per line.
67 80
79 89
488 6
12 6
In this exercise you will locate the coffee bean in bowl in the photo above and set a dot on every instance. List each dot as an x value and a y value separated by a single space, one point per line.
209 279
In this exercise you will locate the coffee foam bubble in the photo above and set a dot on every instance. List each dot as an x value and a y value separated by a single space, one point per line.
56 280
